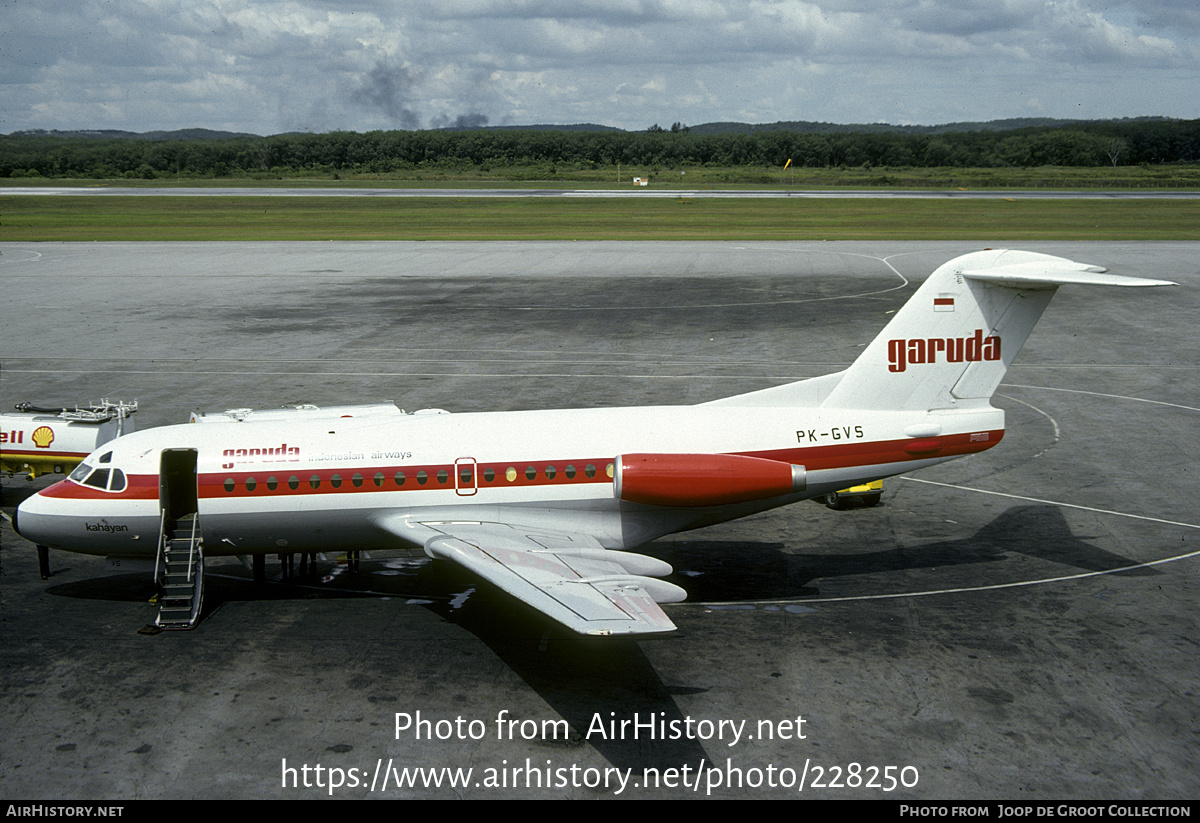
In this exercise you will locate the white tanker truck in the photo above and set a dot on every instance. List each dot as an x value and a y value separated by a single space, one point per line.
41 440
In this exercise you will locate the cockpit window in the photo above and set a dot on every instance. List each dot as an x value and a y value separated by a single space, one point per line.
98 478
112 480
105 458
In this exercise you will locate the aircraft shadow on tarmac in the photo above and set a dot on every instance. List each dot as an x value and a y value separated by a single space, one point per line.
725 571
582 678
606 678
587 679
710 570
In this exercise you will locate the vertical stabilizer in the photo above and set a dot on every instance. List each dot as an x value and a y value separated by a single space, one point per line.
952 342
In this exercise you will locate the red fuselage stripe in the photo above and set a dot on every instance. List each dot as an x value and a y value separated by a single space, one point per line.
137 487
362 480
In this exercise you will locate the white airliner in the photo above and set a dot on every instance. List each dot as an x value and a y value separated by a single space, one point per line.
545 504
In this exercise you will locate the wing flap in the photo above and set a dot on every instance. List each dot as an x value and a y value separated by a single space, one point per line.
570 578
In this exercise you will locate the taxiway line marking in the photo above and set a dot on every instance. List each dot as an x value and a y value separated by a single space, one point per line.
993 586
1053 503
1102 394
960 590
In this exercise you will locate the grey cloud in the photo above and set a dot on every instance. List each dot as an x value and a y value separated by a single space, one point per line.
361 64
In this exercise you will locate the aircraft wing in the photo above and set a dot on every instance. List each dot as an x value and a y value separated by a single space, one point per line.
568 577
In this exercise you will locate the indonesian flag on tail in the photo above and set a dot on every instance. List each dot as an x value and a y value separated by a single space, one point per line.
943 302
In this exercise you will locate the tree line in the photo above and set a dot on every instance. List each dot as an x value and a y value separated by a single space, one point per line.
1116 143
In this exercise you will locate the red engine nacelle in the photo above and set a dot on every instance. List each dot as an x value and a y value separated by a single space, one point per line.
702 479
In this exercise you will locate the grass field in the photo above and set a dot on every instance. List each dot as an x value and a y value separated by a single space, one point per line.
98 218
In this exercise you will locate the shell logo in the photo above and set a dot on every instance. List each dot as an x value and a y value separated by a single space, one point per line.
42 437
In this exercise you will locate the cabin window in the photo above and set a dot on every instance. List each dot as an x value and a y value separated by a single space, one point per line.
336 481
422 477
569 471
315 481
399 478
272 483
550 472
530 472
357 480
293 482
230 484
443 476
589 470
489 474
510 474
251 484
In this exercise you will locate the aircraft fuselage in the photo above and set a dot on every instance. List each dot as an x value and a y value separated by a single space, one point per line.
322 485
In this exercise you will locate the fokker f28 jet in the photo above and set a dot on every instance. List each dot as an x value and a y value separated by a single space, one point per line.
546 505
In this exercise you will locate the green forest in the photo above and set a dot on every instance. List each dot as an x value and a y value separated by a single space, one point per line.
572 154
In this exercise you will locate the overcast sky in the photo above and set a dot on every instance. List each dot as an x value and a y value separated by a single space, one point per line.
268 66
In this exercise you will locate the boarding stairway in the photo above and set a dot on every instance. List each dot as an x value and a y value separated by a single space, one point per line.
179 572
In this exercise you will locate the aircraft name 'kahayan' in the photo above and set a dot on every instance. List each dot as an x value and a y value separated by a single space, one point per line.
546 505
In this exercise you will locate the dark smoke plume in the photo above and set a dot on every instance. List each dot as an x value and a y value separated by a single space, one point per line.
388 88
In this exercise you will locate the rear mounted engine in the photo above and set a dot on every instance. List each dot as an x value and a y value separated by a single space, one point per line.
702 479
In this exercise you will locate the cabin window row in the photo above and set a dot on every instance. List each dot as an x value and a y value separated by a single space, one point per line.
421 478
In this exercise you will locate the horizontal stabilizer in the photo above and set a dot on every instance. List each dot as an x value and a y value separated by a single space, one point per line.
1057 272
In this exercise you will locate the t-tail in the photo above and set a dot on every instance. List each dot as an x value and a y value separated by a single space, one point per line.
951 343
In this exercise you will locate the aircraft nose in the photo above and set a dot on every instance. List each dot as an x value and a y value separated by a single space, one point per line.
17 519
31 520
58 518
